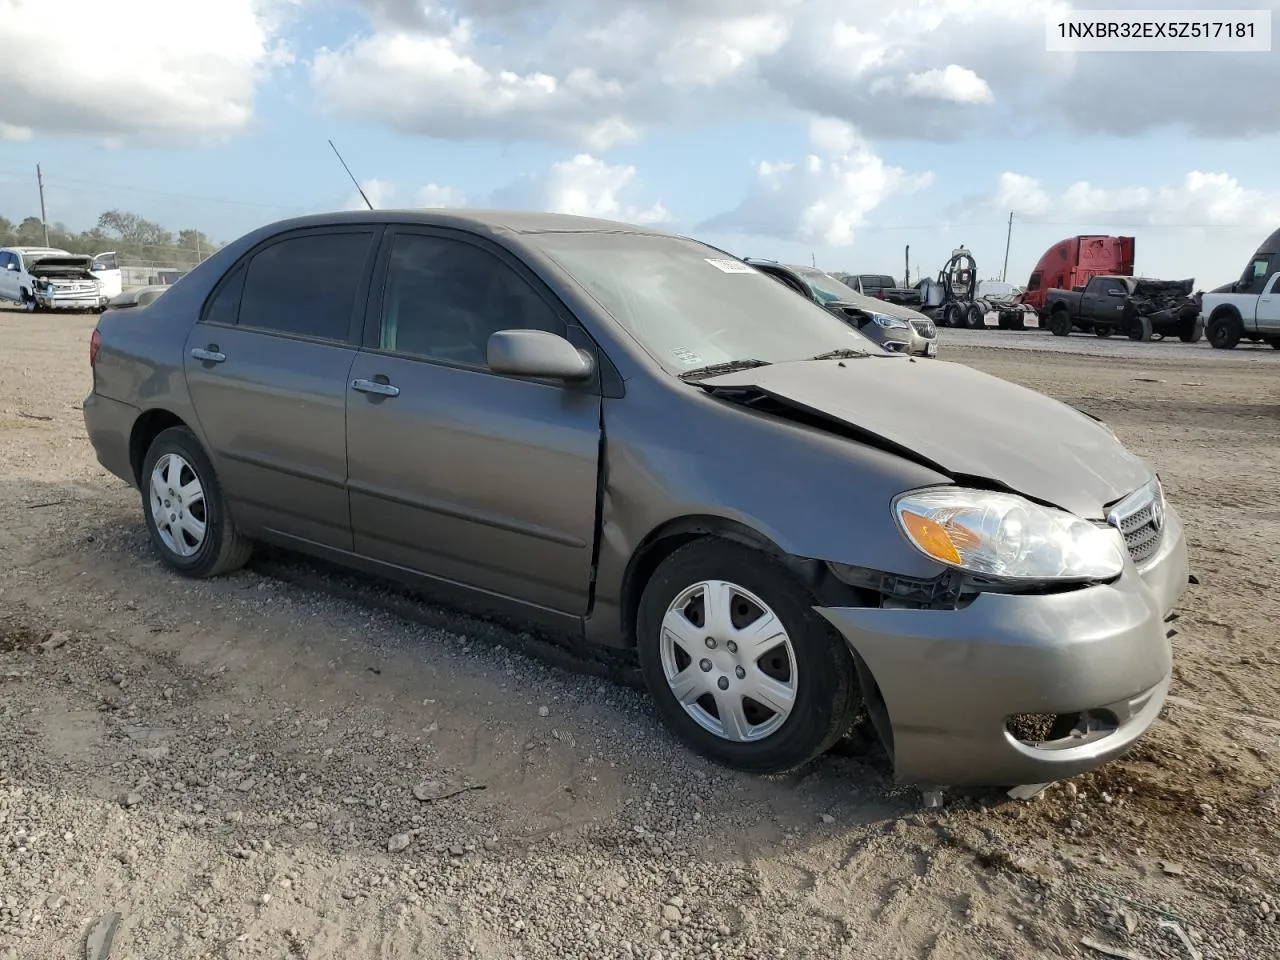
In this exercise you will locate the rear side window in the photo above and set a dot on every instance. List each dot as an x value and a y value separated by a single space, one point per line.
1034 282
306 285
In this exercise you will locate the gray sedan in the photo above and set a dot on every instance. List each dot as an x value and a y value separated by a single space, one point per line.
640 440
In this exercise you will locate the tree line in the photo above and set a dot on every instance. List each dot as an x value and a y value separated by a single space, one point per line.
131 236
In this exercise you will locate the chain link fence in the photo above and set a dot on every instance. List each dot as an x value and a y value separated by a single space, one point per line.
135 272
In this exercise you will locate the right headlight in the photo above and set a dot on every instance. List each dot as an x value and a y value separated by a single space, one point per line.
1004 536
882 320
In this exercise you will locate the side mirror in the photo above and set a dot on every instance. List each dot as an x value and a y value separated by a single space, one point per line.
11 266
536 353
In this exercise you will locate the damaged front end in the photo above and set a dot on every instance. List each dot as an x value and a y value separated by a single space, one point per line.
66 283
1164 304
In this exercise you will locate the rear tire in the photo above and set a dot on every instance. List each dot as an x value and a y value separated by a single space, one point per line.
185 511
1224 331
953 315
975 318
702 602
1191 331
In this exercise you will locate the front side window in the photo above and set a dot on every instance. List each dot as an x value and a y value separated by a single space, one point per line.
444 298
306 285
689 305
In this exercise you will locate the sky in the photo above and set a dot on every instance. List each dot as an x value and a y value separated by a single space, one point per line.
834 132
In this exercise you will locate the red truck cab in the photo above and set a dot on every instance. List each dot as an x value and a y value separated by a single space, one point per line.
1070 263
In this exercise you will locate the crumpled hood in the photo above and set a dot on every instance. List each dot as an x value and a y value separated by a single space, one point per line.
61 265
962 422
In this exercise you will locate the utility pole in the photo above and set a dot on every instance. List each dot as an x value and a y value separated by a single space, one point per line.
1007 237
813 260
906 259
43 220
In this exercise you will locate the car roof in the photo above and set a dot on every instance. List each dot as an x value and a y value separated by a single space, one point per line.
35 249
508 221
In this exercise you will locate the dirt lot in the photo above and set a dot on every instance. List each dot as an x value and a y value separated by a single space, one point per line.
289 763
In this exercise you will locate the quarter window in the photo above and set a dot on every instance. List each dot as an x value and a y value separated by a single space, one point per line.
445 298
225 307
305 285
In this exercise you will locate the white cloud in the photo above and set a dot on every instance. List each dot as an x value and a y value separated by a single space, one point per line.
379 192
434 195
596 73
1200 200
584 186
10 132
153 73
384 194
822 199
954 83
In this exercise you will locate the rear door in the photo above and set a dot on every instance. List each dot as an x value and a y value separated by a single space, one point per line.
106 268
455 471
267 368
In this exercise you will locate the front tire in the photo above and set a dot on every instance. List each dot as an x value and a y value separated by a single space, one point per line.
1060 323
739 665
185 511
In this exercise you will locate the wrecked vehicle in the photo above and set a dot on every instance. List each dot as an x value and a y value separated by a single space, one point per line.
1140 308
1249 308
45 278
892 326
637 440
952 299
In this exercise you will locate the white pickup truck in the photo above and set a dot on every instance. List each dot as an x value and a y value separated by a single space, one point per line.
1249 308
45 278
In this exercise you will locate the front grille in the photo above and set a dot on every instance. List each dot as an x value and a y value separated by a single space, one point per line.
925 328
1140 519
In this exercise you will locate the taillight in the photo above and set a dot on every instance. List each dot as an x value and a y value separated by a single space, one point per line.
95 341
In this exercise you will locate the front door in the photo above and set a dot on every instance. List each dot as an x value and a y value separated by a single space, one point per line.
106 268
1269 308
267 368
466 475
9 269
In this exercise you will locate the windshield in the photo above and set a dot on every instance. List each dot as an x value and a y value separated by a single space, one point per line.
691 306
826 287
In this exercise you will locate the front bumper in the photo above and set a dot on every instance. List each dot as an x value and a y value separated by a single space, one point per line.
70 300
950 680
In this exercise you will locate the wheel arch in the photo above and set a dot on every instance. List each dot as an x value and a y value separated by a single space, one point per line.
146 428
672 534
1224 311
668 537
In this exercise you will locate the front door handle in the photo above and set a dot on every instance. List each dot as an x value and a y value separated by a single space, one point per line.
374 386
208 354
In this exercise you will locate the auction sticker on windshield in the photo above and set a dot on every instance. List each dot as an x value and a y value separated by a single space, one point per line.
686 356
731 266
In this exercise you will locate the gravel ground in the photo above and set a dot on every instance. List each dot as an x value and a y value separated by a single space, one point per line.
292 762
1087 344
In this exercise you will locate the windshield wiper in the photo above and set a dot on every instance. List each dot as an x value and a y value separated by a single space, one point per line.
718 368
845 353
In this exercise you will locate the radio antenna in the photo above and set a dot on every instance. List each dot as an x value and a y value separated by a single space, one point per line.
351 175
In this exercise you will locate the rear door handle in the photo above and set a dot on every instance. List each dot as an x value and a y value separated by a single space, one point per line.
374 386
208 355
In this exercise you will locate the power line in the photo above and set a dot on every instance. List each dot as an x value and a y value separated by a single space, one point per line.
68 184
